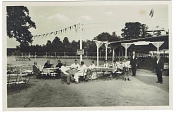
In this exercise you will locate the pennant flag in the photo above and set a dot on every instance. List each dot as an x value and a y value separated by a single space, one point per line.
75 27
65 30
151 13
50 33
61 31
70 28
55 32
157 27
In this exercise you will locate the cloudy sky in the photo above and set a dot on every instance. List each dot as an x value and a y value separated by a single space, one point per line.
95 19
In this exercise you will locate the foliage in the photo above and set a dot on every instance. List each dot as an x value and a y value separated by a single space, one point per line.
134 30
18 24
107 37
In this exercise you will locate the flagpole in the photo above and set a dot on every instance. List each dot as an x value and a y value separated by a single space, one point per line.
80 40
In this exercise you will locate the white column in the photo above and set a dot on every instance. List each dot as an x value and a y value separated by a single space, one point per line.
80 40
98 45
126 46
157 45
97 56
106 53
113 54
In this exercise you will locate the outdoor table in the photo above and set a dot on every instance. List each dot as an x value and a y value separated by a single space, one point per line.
17 79
49 71
72 71
102 70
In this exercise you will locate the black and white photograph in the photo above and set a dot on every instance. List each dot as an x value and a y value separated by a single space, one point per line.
92 54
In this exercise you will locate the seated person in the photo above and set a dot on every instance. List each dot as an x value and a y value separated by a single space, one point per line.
92 65
75 65
120 65
90 70
114 66
58 70
105 64
126 69
47 64
81 72
64 73
36 70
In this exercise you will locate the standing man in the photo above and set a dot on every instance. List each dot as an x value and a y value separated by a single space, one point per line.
133 63
159 68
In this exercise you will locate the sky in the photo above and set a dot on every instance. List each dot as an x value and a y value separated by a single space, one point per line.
95 19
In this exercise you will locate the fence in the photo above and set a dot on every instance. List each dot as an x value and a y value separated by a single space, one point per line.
73 55
67 55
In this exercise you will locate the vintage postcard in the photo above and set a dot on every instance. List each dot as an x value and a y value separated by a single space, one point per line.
87 55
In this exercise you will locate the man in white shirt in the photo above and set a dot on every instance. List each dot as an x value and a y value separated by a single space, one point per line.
92 65
75 65
91 68
81 72
127 66
64 73
106 64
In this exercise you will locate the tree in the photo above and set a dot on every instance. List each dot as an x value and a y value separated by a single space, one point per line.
103 37
18 24
49 46
66 44
57 44
107 37
134 30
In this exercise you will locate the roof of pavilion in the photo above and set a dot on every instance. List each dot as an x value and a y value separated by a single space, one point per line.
149 47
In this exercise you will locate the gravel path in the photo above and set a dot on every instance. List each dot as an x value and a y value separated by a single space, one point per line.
52 93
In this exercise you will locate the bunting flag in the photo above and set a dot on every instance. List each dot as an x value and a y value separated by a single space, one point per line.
157 27
55 32
151 13
46 34
43 35
75 26
50 33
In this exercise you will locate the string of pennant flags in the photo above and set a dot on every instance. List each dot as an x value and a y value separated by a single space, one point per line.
60 31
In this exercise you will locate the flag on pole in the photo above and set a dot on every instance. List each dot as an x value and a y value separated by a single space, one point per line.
151 13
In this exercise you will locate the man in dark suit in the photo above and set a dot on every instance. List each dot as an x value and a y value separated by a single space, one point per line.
58 71
159 64
133 63
47 64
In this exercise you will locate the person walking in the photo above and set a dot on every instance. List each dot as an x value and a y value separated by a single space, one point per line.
159 65
133 63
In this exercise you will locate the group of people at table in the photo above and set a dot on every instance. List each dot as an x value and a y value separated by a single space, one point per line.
76 70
